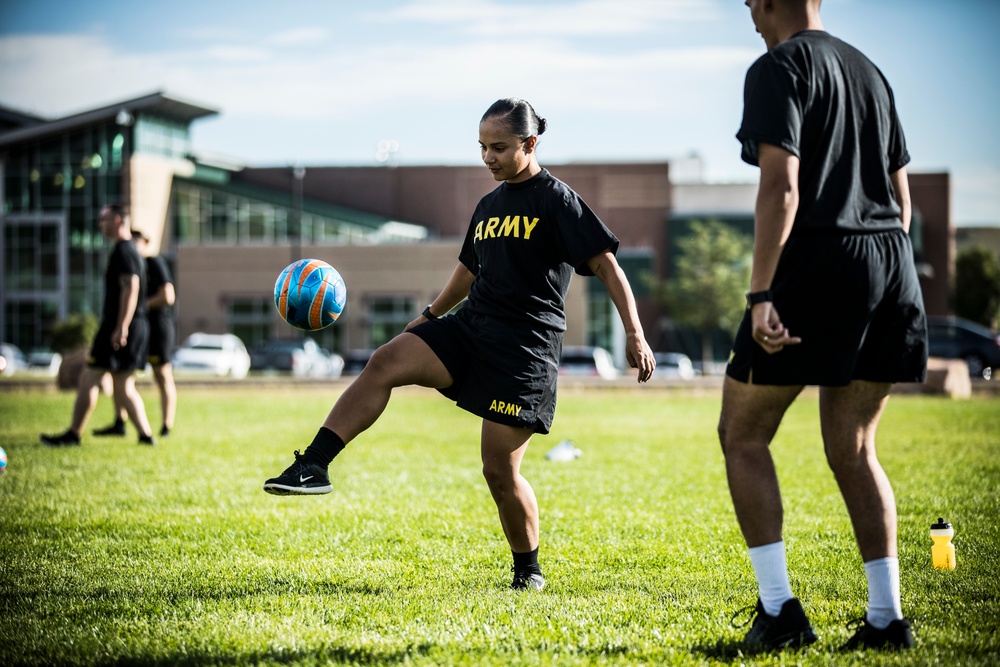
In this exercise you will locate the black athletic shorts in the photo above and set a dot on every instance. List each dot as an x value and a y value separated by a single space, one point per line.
132 357
855 302
161 338
503 372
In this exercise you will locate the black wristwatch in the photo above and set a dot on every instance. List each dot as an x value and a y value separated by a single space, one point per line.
753 298
428 314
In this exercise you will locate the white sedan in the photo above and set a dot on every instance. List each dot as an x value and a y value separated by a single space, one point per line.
223 355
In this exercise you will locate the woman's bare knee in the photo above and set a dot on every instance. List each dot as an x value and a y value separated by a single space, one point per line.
500 479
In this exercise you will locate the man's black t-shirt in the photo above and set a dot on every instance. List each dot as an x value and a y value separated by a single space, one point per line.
523 244
125 260
158 275
823 101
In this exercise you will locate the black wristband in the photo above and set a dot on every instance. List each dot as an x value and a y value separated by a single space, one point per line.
753 298
428 314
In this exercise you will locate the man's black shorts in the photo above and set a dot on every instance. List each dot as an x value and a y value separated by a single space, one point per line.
855 302
161 338
502 371
132 357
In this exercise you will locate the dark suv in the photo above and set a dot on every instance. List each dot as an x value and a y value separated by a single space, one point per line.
955 338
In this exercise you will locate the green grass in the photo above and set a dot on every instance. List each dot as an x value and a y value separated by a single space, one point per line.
113 554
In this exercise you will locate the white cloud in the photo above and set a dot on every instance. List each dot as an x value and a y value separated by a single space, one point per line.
48 72
299 36
591 17
236 54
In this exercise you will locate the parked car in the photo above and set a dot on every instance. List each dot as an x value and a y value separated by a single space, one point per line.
44 362
222 355
673 365
14 359
356 360
587 361
301 357
957 338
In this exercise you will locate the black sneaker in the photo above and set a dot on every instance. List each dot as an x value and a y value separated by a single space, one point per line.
118 428
164 431
148 440
299 479
525 580
789 629
896 636
67 439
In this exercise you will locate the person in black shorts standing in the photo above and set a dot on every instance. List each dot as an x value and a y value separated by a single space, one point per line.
160 296
834 301
498 356
120 345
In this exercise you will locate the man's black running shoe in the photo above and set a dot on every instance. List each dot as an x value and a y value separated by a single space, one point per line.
894 637
67 439
299 479
789 629
118 428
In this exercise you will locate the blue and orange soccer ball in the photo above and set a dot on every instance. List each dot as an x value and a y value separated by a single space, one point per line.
310 294
3 461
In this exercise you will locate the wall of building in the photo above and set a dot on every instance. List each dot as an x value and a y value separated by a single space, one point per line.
208 276
634 199
631 198
151 179
930 194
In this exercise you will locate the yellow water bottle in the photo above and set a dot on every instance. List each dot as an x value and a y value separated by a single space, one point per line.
943 551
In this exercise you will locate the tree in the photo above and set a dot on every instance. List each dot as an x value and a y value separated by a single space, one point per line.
976 294
73 333
711 273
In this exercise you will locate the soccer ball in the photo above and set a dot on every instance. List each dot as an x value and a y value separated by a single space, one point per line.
3 461
309 294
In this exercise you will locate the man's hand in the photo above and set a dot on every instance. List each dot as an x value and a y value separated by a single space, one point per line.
768 331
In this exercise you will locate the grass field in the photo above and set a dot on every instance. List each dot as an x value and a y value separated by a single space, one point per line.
113 554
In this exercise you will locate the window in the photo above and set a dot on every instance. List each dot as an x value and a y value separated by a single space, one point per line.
161 136
205 215
34 279
250 318
602 316
386 316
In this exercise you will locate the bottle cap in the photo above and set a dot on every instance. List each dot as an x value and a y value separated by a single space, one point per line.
940 525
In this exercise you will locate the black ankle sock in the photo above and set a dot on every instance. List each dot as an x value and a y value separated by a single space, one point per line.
324 447
119 422
527 562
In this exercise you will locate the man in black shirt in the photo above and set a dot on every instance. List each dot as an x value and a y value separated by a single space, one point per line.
160 296
120 345
832 256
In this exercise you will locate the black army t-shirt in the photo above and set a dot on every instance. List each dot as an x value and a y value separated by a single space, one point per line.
823 101
125 260
157 275
523 244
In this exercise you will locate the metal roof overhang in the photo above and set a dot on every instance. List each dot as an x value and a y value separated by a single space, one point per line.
159 103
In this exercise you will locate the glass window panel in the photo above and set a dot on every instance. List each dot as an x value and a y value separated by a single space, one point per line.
260 223
79 147
251 318
219 221
51 153
386 316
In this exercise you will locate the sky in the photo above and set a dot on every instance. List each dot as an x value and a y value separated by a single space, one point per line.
327 82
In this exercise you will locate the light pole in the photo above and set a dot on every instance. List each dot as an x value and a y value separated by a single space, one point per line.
298 185
124 119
